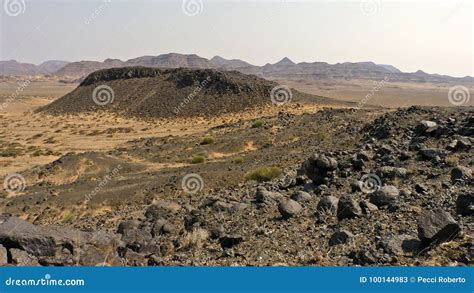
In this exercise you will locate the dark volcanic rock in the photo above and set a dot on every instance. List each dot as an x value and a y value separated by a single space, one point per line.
55 245
465 204
340 237
348 208
436 227
230 240
461 173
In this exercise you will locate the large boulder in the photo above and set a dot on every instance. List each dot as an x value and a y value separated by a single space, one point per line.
436 227
57 245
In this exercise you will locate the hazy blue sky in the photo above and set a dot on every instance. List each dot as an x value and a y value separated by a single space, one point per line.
436 36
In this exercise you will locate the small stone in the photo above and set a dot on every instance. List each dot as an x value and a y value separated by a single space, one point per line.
368 207
465 204
230 240
363 155
340 237
301 196
459 145
348 208
426 127
386 195
429 154
289 208
436 227
421 188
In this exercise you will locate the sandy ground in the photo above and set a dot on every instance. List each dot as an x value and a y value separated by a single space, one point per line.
28 139
389 94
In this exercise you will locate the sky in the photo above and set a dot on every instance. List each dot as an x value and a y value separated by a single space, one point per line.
435 36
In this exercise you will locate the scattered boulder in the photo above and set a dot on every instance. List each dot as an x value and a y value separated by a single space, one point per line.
301 196
436 227
340 237
262 195
162 209
289 208
386 195
126 225
426 127
319 168
327 205
465 204
400 244
461 173
459 145
348 208
391 172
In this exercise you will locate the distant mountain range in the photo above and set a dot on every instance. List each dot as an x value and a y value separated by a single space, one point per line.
284 69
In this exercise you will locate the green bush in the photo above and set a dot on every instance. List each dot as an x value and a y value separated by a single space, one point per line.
197 159
238 160
262 174
257 123
207 140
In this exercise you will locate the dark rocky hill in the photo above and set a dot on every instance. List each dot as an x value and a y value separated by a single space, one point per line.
162 93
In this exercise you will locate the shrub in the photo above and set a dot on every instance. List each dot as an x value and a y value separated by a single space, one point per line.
197 159
452 160
207 140
262 174
68 217
257 123
238 160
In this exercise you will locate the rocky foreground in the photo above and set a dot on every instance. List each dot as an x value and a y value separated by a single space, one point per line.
403 195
